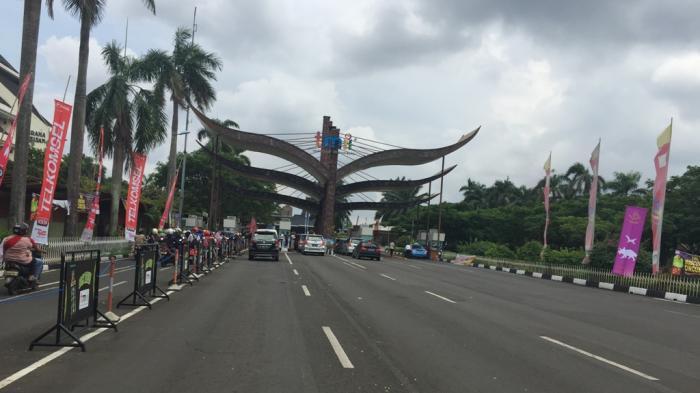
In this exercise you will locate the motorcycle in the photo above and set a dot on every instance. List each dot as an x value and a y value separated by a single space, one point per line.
16 277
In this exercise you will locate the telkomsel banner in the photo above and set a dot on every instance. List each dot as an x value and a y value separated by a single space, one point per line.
630 238
169 202
7 146
52 166
134 195
95 210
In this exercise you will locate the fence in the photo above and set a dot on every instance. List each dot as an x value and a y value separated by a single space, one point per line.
662 282
106 245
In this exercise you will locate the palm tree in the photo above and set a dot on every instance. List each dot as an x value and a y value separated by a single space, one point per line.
132 117
27 65
579 180
503 193
186 73
214 196
474 194
90 14
625 184
404 195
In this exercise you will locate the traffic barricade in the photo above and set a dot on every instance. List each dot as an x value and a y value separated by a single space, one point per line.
145 277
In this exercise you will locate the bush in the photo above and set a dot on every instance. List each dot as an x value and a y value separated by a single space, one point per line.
563 256
530 251
475 248
499 251
603 256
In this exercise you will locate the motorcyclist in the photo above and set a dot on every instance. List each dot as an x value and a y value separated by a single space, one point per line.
18 248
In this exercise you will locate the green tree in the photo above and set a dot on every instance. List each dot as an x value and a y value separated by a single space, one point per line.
404 195
132 117
625 184
474 195
90 14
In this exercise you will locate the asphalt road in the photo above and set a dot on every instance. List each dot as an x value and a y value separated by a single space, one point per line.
335 324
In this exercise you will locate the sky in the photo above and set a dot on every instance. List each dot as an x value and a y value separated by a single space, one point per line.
537 76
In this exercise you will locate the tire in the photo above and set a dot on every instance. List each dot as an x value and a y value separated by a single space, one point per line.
250 257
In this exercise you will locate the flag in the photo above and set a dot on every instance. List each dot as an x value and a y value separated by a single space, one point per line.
7 146
630 238
548 172
134 195
253 226
52 166
89 229
169 201
592 197
663 142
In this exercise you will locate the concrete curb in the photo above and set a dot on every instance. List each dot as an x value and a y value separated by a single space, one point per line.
678 297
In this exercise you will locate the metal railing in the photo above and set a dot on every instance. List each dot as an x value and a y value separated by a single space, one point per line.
106 245
661 282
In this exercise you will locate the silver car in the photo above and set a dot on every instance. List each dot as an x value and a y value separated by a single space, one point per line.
314 244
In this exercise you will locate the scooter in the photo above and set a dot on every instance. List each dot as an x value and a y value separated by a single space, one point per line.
16 277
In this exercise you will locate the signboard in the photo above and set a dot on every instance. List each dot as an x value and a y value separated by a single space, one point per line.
145 277
133 196
79 294
685 264
630 238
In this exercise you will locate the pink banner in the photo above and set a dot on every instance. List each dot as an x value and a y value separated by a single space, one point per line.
661 159
630 238
52 166
95 210
7 146
592 199
134 195
169 202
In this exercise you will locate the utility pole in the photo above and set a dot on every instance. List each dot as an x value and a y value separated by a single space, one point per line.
442 178
427 215
186 134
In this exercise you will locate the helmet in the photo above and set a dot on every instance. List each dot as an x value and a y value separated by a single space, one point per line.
195 229
154 231
206 232
169 231
20 229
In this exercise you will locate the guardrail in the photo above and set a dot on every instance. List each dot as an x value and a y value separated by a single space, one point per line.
106 245
661 282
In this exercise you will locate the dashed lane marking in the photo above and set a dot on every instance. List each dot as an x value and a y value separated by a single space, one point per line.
337 348
306 290
440 297
390 278
353 266
288 258
295 272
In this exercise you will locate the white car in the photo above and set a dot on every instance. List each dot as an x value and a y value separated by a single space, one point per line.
313 244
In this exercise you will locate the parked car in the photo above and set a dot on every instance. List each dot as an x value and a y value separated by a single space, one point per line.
352 243
264 244
367 249
313 244
341 246
416 251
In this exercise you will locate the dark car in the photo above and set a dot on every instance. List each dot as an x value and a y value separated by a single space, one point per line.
264 244
341 246
367 249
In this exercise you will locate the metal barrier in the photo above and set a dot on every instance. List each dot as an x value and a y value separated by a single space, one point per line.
106 245
661 282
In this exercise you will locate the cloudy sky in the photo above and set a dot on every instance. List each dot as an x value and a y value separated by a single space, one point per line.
537 75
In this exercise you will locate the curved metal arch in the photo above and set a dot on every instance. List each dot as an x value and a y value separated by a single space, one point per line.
380 205
266 144
387 185
403 156
303 204
270 175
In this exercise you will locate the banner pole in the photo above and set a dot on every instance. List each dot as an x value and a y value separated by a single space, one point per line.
110 314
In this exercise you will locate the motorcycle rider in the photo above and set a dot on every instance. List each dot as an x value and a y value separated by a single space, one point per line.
18 248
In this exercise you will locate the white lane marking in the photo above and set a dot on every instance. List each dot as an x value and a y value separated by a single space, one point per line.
55 355
48 283
390 278
682 313
295 272
352 266
9 299
415 267
440 297
306 290
358 265
288 258
600 358
169 267
115 285
342 259
337 348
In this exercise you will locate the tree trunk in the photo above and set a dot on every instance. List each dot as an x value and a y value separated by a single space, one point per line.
172 159
30 38
214 196
78 129
117 173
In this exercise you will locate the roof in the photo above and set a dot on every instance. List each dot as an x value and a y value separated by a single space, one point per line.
11 81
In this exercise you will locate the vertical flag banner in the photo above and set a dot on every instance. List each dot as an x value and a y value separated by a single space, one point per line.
663 142
548 172
52 165
169 202
134 195
7 146
89 229
630 238
592 198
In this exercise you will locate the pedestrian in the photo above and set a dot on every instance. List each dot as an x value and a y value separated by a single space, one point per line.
391 248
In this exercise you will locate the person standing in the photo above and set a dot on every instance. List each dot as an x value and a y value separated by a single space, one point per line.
391 248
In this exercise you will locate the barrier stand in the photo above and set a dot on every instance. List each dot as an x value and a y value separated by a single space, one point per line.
109 314
145 278
192 261
174 286
184 270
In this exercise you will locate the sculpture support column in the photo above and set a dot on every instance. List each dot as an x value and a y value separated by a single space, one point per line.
329 159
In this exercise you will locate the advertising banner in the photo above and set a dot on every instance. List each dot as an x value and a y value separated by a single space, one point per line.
547 172
169 201
630 238
79 283
7 146
89 229
685 264
146 265
663 142
592 197
52 166
134 195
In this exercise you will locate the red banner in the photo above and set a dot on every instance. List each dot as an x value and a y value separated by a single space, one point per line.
134 195
663 142
592 197
7 146
95 210
169 202
52 166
